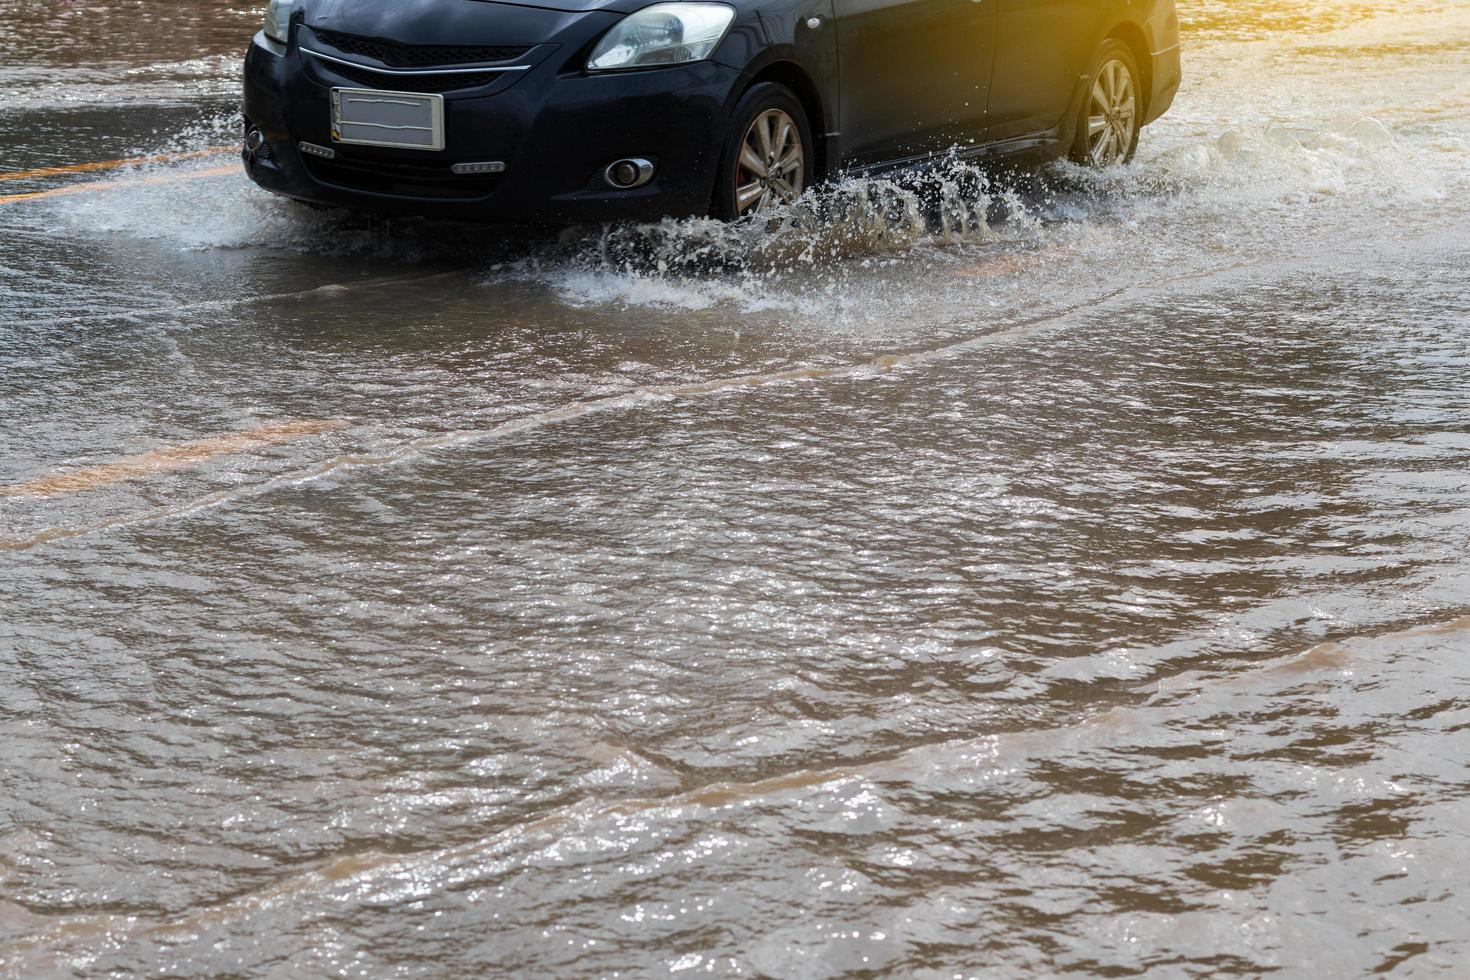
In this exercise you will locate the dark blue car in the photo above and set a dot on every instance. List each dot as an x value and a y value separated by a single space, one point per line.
595 110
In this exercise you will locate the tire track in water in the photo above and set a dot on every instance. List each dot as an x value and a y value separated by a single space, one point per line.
637 398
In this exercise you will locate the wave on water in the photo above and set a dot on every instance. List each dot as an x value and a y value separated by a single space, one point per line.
45 88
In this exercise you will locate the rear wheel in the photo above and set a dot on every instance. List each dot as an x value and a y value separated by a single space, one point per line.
1112 113
767 159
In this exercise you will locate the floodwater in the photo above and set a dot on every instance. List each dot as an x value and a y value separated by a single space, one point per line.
1076 579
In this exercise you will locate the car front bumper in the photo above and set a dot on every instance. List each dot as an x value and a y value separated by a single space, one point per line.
556 132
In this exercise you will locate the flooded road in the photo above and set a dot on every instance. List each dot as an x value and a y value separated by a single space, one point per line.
1076 581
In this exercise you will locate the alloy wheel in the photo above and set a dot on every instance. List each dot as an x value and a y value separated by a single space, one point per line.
1111 117
771 169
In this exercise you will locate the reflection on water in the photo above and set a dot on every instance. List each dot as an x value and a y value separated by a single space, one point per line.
1269 20
986 577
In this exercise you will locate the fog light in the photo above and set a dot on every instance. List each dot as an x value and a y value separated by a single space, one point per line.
255 144
628 174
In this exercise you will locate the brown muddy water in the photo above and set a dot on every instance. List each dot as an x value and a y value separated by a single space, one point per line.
1076 584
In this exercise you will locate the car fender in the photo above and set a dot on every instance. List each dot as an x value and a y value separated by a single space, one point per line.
1151 28
795 43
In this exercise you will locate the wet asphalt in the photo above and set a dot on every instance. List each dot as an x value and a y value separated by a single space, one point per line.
1048 574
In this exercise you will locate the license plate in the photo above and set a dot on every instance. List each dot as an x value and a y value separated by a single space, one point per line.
401 119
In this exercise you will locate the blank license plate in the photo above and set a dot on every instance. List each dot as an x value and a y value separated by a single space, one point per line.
402 119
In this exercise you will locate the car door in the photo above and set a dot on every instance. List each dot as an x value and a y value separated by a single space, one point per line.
914 75
1043 47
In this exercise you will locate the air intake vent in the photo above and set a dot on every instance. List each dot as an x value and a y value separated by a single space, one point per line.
403 180
396 55
426 84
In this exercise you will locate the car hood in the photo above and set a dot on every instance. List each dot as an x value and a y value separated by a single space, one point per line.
452 22
577 6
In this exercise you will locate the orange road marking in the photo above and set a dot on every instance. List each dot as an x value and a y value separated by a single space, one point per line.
88 168
1010 264
107 185
168 459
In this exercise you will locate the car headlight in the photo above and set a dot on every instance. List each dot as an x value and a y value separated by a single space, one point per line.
278 20
663 34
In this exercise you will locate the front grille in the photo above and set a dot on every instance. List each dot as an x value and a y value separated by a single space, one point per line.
425 84
396 55
402 179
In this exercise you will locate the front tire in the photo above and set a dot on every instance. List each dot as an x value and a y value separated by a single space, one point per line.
1112 112
768 155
